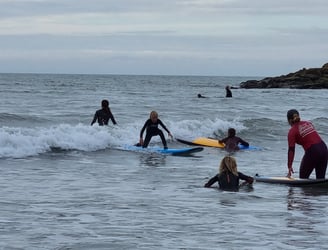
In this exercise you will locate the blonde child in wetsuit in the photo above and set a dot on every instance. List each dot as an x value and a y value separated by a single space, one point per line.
152 130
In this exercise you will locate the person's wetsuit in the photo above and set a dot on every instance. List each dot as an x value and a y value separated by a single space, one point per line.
316 153
103 116
228 92
152 130
228 181
231 143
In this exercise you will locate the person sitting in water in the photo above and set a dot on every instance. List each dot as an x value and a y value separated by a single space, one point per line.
228 176
228 91
232 141
201 96
103 115
152 130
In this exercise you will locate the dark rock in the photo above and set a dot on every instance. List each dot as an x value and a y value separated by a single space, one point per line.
313 78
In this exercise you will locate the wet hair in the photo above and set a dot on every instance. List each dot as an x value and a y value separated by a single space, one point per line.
228 164
153 114
105 105
231 132
293 116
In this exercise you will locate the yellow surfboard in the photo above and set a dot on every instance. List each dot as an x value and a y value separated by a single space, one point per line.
203 141
208 142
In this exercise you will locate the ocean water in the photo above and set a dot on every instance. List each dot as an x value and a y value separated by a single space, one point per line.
67 185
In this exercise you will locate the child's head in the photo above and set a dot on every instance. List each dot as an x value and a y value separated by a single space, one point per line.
104 103
231 132
228 164
153 116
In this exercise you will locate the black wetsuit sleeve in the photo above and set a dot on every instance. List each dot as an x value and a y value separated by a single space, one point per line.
94 119
212 181
244 143
144 127
243 177
112 118
163 126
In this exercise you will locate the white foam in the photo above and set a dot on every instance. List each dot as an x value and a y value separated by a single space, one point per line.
22 142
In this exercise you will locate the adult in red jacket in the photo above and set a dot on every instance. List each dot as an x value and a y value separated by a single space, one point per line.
316 152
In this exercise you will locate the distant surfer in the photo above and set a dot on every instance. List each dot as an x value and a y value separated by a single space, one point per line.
315 149
103 115
228 176
232 141
228 91
201 96
152 130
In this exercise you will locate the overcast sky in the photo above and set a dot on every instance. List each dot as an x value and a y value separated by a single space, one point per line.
163 37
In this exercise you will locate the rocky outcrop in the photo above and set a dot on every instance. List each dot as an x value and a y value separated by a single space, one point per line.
312 78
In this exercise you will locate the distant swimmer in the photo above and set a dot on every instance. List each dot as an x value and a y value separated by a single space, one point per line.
103 115
228 176
201 96
316 153
228 91
152 130
231 141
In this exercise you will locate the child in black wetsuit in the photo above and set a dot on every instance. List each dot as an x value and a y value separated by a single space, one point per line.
152 129
231 141
228 176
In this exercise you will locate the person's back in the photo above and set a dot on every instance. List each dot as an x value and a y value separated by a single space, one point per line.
103 115
232 141
303 133
228 181
228 176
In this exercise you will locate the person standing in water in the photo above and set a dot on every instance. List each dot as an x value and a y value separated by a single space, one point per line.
316 152
228 91
103 115
152 130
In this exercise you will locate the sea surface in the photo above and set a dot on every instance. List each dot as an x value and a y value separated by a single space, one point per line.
67 185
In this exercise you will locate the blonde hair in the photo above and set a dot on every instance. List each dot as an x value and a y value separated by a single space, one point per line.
296 118
153 114
228 164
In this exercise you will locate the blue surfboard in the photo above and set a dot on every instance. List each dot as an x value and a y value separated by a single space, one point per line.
160 150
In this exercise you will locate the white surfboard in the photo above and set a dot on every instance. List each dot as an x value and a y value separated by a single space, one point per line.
290 181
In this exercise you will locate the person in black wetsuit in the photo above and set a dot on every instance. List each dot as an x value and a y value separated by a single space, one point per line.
231 141
103 115
152 129
228 91
228 176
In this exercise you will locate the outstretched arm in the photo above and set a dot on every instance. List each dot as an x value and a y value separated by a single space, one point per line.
143 128
291 153
212 181
163 126
94 119
112 118
244 143
246 178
